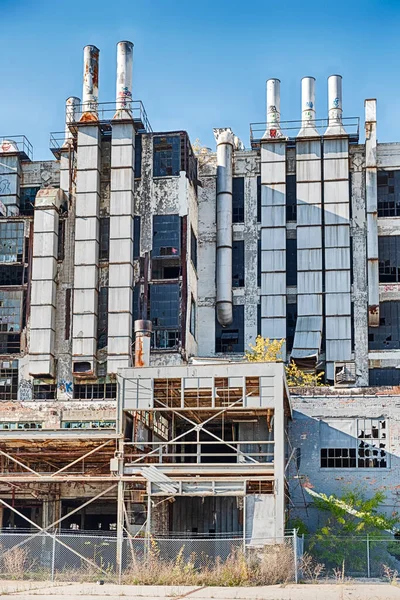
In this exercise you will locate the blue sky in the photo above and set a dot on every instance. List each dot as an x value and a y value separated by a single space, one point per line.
198 65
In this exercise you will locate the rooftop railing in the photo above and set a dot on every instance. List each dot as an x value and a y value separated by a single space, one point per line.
16 144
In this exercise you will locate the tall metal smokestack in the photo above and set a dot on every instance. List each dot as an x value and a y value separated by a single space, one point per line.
335 108
142 342
124 77
90 95
308 108
71 115
273 109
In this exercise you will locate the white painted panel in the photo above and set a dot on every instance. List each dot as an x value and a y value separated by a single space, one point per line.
84 326
309 260
120 324
120 275
273 283
86 252
88 158
337 258
273 152
273 195
44 268
88 181
309 193
86 228
309 304
43 289
373 283
337 236
274 172
337 281
337 304
43 317
42 341
309 282
273 238
337 214
85 276
122 134
273 216
336 148
338 328
273 260
304 240
45 221
121 227
336 169
118 361
122 179
84 347
372 235
87 205
120 299
43 364
308 150
121 203
88 135
9 184
336 193
309 214
337 350
85 301
371 189
308 170
121 251
273 328
273 306
45 244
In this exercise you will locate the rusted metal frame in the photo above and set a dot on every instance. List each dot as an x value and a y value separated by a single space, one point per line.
52 537
81 457
64 517
21 464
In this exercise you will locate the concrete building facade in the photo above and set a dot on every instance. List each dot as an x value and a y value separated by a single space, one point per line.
130 250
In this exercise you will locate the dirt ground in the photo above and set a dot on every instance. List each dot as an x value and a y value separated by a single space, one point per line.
91 591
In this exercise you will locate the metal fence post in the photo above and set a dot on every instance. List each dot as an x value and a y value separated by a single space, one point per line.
295 556
53 555
368 559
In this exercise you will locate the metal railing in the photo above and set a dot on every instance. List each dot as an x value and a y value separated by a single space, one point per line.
290 129
16 144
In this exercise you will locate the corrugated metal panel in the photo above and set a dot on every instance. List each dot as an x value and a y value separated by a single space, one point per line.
337 214
336 237
273 306
273 239
273 260
308 304
338 304
337 258
337 193
338 350
273 328
308 192
307 338
309 260
309 214
270 216
304 240
273 284
337 281
338 328
273 195
309 282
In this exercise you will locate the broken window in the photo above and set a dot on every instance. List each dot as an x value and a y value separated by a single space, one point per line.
166 236
95 391
44 391
338 458
104 250
27 200
193 248
384 376
238 264
291 261
11 242
388 193
88 424
166 155
389 258
291 198
238 200
138 155
231 339
165 315
372 440
102 320
20 425
387 335
193 317
9 380
258 199
10 321
291 318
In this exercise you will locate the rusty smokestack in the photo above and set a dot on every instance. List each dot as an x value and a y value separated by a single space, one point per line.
90 95
124 77
71 115
142 342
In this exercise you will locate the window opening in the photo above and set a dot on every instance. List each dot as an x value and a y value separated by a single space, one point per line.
166 156
9 380
387 335
291 261
95 391
27 200
193 248
11 242
238 264
231 339
389 258
291 198
44 391
102 320
104 238
193 317
388 193
238 200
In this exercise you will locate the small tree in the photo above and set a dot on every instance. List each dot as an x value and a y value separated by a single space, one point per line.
265 350
298 378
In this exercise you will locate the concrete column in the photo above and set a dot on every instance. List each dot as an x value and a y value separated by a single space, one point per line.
84 321
43 281
120 292
273 240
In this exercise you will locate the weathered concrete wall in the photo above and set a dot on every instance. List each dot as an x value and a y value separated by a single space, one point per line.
51 414
304 431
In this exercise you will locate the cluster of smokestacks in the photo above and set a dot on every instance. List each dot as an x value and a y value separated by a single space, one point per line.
87 109
307 106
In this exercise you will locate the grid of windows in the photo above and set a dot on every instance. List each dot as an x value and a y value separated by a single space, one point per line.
95 391
389 258
9 380
372 443
104 249
388 193
387 335
88 425
338 458
238 200
102 320
166 236
238 263
231 339
166 155
44 391
165 315
10 321
11 242
20 425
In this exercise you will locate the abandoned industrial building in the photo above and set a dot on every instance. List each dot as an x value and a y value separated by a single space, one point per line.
135 272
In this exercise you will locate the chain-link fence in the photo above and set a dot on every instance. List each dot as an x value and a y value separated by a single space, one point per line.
353 556
77 556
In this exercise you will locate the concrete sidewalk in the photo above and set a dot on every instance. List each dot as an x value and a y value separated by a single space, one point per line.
90 591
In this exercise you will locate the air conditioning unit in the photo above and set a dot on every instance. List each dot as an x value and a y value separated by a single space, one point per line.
345 374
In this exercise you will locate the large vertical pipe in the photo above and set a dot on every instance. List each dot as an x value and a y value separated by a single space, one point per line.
142 342
124 75
90 94
225 141
335 106
307 108
273 108
71 115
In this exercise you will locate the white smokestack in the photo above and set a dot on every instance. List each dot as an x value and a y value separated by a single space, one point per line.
124 76
273 109
71 115
308 108
335 108
90 95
